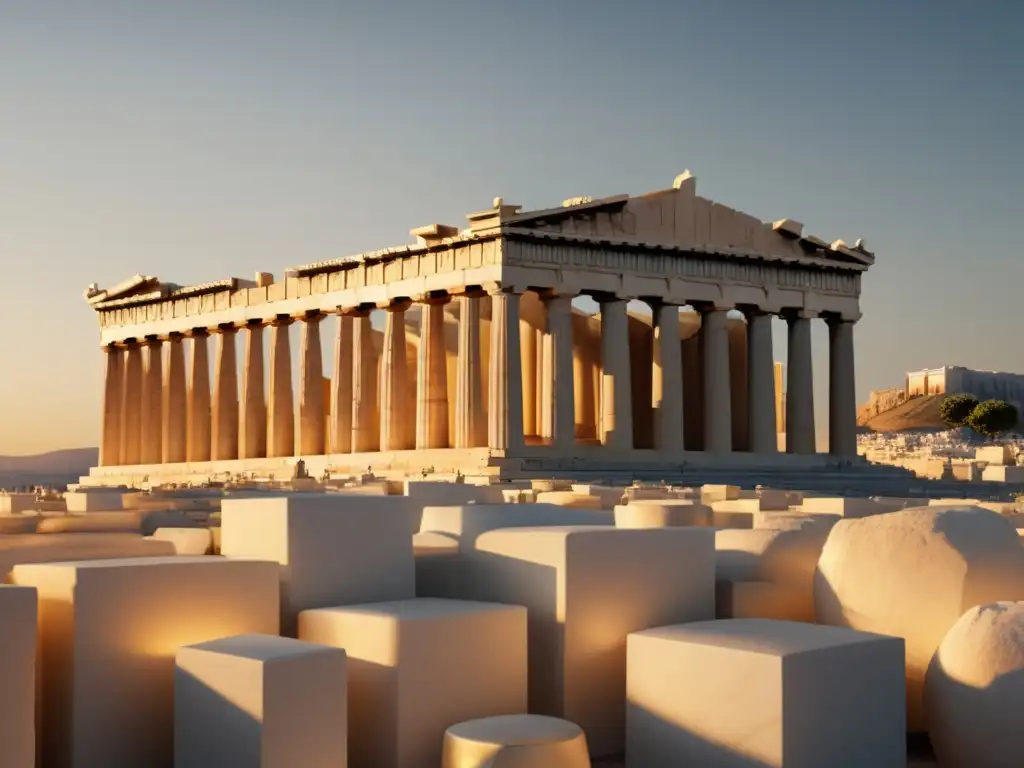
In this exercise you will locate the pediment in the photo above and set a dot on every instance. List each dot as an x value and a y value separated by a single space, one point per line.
679 218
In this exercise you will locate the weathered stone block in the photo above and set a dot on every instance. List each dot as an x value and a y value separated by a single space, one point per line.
648 513
18 616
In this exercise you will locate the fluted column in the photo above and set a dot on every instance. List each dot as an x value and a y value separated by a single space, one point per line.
432 383
761 389
714 346
341 387
667 380
616 394
470 428
365 436
131 402
225 396
252 440
528 340
151 426
505 380
800 437
561 409
199 398
113 379
842 406
312 417
280 402
394 381
174 403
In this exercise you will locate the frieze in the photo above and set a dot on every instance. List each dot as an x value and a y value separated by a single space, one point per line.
684 265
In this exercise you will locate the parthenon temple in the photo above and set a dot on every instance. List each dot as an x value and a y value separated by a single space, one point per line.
471 350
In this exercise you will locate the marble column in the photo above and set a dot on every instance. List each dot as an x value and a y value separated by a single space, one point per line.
761 389
432 382
561 412
131 402
842 405
528 339
545 374
800 437
394 381
113 379
616 429
341 387
225 396
365 435
714 344
667 380
151 426
312 416
505 381
470 427
174 403
252 440
280 400
198 405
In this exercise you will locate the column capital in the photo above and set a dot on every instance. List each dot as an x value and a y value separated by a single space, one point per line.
399 304
152 341
705 307
495 288
433 298
359 310
279 321
607 297
838 318
798 313
226 328
309 316
752 310
171 336
193 333
250 324
472 291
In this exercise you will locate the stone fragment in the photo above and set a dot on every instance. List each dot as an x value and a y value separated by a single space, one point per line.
532 741
648 513
912 574
186 541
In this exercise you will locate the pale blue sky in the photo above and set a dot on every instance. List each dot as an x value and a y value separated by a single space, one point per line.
197 139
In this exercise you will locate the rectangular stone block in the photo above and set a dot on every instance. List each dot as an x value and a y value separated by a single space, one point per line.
332 549
18 616
442 493
710 493
57 547
763 600
841 506
81 502
16 503
109 631
996 455
186 541
752 692
437 564
1001 474
586 589
259 701
417 667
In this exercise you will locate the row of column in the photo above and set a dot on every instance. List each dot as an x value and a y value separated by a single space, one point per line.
153 415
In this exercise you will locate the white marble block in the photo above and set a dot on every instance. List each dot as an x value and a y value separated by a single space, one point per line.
109 631
332 549
94 501
664 513
57 547
746 692
260 701
417 667
586 589
18 616
842 506
16 503
186 541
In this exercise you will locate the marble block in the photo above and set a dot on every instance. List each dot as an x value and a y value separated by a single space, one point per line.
109 631
260 701
763 600
570 499
99 522
753 692
469 521
515 741
440 493
773 498
608 494
712 493
1001 474
770 554
996 455
416 667
16 503
18 616
841 506
56 547
664 513
94 501
586 589
332 549
186 541
912 574
19 523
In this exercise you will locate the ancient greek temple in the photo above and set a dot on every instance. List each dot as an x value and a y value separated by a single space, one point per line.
472 351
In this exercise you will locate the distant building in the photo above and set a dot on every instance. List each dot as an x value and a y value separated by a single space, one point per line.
953 379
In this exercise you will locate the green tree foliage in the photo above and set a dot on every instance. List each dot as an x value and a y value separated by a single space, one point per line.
993 417
956 409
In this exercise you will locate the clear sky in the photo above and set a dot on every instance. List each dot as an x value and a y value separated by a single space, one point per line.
198 139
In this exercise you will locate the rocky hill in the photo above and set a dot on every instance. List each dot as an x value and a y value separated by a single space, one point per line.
915 413
53 468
